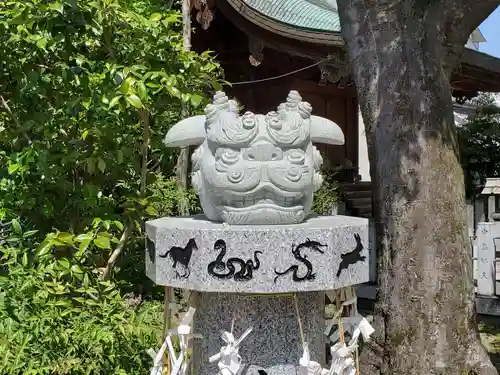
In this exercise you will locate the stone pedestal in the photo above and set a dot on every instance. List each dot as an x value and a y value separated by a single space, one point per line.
229 264
274 344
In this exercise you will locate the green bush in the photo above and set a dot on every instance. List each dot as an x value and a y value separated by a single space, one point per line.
83 85
479 141
58 317
88 90
327 196
165 196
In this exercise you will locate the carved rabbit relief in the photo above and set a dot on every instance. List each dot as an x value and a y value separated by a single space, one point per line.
256 169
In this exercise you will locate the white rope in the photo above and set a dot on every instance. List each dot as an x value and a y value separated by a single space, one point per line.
299 320
280 76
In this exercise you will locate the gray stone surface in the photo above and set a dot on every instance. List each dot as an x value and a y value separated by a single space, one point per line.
275 242
488 236
488 305
274 344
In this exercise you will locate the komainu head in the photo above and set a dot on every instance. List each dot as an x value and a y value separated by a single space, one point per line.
252 168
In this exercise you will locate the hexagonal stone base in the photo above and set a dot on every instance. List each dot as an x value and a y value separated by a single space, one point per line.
323 253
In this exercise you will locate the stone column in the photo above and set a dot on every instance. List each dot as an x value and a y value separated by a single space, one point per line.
274 345
252 272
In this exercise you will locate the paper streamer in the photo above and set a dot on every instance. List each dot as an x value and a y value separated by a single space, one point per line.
229 359
178 362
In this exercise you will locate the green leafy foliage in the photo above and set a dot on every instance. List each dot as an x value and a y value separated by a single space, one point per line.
58 317
88 89
165 196
327 196
479 141
77 79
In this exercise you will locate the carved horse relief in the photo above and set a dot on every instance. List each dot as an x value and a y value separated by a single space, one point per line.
181 256
256 169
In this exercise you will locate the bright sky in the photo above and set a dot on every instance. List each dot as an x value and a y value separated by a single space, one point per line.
491 31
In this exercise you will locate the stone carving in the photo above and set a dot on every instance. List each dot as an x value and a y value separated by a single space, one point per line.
218 266
256 169
308 244
181 256
352 257
150 248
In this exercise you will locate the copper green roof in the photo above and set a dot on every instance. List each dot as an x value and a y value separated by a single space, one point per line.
318 15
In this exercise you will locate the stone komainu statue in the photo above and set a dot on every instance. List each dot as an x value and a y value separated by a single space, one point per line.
256 169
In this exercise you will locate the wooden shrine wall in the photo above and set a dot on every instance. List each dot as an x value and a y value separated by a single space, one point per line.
338 105
231 47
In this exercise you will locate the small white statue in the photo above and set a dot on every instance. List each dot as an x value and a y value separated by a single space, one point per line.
178 363
229 358
256 169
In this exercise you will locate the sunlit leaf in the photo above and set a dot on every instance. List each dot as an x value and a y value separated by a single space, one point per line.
118 225
101 164
134 101
87 103
64 262
102 242
150 210
45 246
65 238
57 6
41 43
113 102
195 100
25 259
83 237
84 245
16 226
142 90
155 17
29 233
13 167
76 269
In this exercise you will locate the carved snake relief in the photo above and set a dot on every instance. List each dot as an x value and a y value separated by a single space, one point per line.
218 266
308 244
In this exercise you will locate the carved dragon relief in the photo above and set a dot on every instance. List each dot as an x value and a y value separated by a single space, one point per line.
256 169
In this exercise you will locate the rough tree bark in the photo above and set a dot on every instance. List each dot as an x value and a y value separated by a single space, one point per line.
402 53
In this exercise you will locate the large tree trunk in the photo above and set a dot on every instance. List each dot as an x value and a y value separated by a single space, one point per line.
401 54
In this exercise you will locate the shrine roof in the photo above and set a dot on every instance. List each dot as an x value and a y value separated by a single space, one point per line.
318 15
311 29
